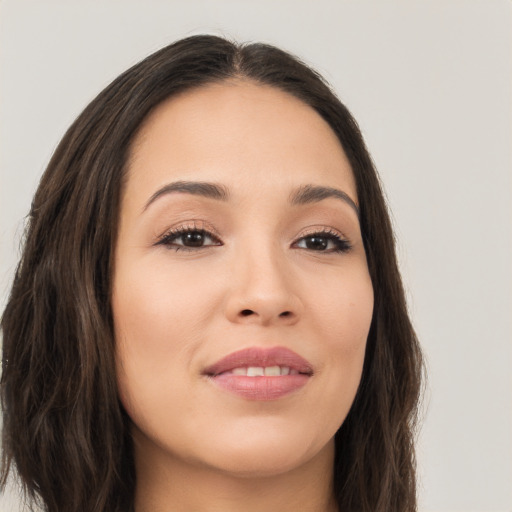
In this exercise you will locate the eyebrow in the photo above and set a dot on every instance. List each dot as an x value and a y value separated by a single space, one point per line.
305 194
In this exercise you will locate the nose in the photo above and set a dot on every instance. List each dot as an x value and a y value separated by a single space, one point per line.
263 290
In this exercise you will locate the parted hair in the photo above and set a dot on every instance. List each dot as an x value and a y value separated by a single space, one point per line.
65 434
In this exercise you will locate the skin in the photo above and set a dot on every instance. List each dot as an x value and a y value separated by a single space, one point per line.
259 283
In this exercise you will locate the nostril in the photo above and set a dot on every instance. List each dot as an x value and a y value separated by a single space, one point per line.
248 312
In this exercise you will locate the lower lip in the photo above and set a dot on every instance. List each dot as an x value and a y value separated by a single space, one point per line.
261 387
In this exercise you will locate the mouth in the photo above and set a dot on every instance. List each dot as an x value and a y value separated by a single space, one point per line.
261 374
260 371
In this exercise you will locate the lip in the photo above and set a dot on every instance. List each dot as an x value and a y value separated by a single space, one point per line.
260 387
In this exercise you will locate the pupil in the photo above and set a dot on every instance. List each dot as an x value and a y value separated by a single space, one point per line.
316 242
194 239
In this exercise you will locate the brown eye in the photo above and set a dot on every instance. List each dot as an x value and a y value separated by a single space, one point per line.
324 242
188 239
317 243
193 239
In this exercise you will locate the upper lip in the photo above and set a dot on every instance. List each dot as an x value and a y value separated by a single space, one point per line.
259 356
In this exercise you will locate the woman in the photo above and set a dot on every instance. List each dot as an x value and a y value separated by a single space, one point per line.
208 313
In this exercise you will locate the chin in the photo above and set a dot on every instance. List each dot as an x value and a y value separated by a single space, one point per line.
268 457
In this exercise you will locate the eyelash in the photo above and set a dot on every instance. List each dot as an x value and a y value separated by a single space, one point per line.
342 245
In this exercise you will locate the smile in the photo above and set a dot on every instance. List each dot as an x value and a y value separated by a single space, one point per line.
260 374
260 371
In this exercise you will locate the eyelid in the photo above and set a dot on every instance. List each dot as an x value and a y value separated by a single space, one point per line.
341 242
315 230
195 225
171 234
190 225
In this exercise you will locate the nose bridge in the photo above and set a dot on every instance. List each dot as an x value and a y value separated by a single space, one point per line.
262 288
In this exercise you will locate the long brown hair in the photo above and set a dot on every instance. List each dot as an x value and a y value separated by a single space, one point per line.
64 431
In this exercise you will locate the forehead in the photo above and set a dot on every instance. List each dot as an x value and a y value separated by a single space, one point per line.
253 137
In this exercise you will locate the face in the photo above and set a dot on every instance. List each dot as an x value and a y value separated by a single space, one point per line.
242 300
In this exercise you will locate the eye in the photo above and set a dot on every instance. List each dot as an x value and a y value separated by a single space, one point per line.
188 239
324 241
194 238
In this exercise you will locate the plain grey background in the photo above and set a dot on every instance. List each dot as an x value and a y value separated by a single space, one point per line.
430 84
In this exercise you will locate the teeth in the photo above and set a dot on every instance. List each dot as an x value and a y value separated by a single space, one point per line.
255 371
272 371
260 371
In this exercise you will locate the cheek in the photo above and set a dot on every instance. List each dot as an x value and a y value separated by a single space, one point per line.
158 321
153 306
343 308
342 315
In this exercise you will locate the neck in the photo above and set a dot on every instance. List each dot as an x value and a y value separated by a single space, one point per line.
165 484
